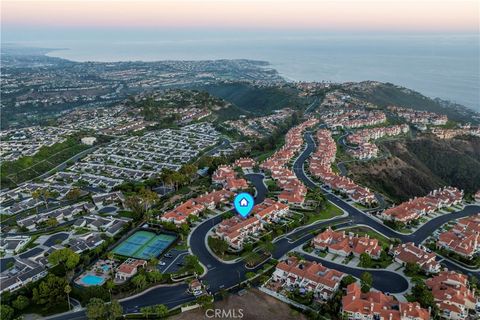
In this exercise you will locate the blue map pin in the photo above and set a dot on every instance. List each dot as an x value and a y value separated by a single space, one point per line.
243 203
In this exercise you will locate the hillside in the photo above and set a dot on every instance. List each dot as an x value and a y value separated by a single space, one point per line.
384 94
420 165
258 100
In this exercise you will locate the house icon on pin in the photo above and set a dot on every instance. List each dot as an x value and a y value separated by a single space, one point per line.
243 202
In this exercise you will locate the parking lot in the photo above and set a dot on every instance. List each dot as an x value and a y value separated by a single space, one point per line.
173 260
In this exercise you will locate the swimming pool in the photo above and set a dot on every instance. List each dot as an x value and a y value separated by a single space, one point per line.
144 245
92 280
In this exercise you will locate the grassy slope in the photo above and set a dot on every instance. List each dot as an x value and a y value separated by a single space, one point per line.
27 168
389 94
420 165
257 100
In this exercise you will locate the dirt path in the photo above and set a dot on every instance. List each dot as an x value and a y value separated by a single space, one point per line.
255 305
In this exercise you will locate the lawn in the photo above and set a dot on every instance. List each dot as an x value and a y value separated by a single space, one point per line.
126 214
329 212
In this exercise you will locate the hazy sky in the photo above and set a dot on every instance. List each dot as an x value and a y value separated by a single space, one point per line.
340 15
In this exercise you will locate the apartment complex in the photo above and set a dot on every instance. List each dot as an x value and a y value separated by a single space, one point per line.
463 238
307 275
320 167
237 230
409 253
452 294
417 207
376 305
341 243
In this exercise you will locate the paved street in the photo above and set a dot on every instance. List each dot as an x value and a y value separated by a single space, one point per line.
221 275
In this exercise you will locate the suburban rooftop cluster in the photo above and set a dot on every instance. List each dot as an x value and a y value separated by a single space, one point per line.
341 243
308 275
410 253
193 207
344 118
444 133
293 190
452 294
419 117
260 126
359 305
237 230
17 143
463 238
320 167
417 207
227 177
138 158
366 149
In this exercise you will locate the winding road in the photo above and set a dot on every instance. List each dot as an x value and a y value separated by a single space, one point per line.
223 276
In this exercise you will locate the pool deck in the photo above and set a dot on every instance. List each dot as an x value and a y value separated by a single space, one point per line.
101 269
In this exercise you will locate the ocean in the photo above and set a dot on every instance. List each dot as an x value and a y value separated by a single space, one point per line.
444 66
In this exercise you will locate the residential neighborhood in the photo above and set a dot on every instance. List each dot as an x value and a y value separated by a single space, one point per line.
124 200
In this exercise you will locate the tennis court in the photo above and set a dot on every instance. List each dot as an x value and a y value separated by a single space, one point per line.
144 245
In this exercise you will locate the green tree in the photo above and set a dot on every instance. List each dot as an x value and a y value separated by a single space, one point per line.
50 292
139 281
366 281
115 310
318 196
154 276
51 222
365 260
252 258
96 309
161 310
218 245
152 263
65 257
205 301
147 311
412 269
347 281
192 265
423 295
110 285
43 194
134 203
73 194
267 246
67 290
189 170
21 302
148 198
6 312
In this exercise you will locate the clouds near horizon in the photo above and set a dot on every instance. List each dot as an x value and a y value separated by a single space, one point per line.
347 15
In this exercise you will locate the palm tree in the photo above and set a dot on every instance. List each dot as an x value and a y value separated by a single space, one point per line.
67 290
110 285
147 311
148 198
152 263
252 258
44 194
36 197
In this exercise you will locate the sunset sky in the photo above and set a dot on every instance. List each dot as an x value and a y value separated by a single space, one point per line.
383 16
